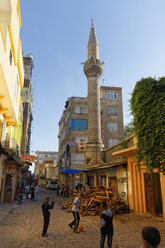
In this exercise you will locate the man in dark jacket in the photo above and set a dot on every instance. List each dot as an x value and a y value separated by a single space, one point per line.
106 222
46 214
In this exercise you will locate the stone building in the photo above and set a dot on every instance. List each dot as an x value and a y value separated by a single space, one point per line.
72 138
111 115
27 105
88 124
46 167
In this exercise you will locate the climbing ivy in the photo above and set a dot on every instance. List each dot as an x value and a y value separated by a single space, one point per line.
148 109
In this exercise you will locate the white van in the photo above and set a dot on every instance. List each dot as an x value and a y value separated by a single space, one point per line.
51 185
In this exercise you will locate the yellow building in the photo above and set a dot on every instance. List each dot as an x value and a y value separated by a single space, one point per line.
11 82
146 193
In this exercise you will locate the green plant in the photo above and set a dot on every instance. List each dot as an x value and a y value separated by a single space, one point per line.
148 109
124 144
129 129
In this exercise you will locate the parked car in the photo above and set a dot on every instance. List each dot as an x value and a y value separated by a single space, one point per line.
51 185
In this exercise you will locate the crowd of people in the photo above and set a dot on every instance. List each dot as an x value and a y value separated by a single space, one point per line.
66 191
27 191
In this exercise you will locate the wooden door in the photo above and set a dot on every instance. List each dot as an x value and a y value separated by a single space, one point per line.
149 191
157 193
113 184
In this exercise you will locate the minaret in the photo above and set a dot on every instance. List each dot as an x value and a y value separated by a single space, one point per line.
93 69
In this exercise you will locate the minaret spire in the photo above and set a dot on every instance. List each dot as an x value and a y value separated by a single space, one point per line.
93 69
93 48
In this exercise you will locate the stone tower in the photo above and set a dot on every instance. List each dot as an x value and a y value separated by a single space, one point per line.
93 69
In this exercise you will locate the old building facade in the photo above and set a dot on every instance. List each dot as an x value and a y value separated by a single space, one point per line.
146 192
111 115
45 167
26 94
11 109
88 124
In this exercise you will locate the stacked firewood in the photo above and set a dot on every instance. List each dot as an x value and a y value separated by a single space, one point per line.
92 198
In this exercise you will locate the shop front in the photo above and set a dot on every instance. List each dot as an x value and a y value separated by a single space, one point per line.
11 181
146 192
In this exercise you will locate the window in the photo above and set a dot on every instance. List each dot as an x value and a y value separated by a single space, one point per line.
112 126
48 155
112 94
55 156
83 110
10 57
78 124
112 111
112 142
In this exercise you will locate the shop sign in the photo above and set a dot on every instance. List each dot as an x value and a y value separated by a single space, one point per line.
11 168
29 158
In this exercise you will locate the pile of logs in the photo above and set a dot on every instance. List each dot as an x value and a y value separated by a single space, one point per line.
92 198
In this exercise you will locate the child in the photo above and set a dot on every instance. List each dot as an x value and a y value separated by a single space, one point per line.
75 211
106 221
46 214
151 237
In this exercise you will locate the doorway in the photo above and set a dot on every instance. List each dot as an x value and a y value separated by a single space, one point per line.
153 193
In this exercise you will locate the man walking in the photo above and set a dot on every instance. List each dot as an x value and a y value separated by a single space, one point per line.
106 221
75 211
46 214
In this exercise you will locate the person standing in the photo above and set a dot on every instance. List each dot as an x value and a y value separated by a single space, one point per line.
151 237
27 190
36 191
32 192
75 211
106 222
46 206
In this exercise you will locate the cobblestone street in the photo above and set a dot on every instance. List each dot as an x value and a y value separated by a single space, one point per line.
23 228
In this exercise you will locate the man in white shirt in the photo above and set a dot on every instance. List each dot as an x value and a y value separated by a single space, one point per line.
75 211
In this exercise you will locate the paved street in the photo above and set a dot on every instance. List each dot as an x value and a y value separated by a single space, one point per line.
23 228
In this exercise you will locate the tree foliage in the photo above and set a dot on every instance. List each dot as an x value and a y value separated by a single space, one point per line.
148 110
129 129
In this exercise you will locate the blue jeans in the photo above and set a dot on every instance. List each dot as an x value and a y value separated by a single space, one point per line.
109 240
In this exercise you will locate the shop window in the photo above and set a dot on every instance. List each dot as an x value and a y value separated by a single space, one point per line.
9 183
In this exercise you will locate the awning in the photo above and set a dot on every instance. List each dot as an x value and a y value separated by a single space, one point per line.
71 171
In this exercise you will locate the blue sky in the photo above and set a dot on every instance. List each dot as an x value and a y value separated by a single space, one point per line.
131 38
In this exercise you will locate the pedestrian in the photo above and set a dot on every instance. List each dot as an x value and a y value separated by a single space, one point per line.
58 190
18 196
27 190
62 190
106 222
36 191
46 206
151 237
75 211
32 192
